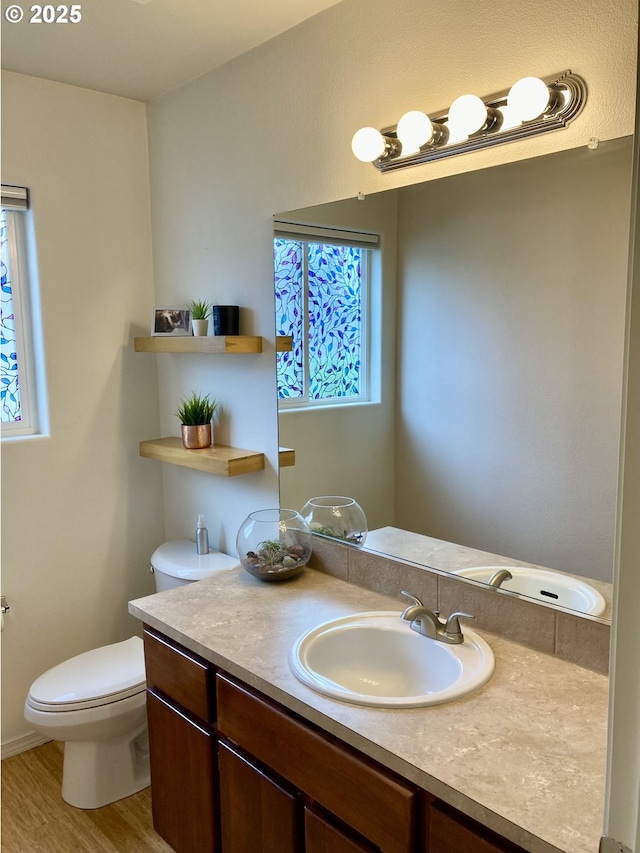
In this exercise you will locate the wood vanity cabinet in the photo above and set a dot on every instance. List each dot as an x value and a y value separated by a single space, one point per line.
182 745
261 815
447 831
360 795
182 778
256 811
232 771
322 836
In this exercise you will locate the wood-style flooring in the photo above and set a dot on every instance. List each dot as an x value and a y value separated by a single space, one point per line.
35 818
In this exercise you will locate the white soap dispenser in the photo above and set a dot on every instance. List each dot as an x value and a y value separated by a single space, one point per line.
202 536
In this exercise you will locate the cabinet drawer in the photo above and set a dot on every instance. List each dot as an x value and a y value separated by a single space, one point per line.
450 832
365 796
180 674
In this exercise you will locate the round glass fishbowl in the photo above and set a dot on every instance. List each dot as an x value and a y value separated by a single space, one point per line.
336 516
274 544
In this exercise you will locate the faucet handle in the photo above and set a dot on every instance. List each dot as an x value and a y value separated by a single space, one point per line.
453 626
415 600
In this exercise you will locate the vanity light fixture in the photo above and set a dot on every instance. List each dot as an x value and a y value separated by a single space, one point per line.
532 105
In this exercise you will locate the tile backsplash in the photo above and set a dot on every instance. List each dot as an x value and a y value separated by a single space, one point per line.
572 637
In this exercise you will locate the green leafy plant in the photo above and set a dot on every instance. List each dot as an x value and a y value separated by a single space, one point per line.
272 550
200 309
273 555
196 409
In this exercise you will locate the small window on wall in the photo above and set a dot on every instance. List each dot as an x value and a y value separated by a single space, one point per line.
18 374
322 298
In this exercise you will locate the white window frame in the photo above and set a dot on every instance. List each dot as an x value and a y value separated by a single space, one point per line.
23 297
368 243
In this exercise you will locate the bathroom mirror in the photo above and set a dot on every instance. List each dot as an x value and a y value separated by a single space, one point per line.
496 352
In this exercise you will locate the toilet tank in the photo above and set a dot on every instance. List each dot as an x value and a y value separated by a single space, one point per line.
178 563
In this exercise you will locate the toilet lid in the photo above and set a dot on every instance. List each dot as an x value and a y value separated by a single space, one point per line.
99 677
179 559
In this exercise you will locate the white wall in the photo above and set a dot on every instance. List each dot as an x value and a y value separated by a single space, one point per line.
271 131
81 512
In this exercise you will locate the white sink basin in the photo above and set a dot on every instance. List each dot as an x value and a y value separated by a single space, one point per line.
377 659
551 587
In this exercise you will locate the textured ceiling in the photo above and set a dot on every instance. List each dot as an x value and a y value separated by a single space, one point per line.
143 48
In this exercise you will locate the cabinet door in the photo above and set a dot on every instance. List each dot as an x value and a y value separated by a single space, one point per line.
256 813
322 837
182 755
450 832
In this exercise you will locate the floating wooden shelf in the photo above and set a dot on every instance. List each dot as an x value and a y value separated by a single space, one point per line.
217 459
287 457
206 343
284 343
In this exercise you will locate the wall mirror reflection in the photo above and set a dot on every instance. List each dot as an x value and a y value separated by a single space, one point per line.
486 352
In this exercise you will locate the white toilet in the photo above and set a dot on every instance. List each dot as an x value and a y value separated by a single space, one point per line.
96 702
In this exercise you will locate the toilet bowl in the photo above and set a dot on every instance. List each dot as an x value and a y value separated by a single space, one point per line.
96 702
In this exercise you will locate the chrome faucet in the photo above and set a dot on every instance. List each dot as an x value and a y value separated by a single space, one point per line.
429 624
499 577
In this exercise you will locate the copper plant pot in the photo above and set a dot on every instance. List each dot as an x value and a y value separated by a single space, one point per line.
196 437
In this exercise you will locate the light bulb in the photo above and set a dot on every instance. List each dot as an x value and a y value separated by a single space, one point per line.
467 115
528 98
414 130
509 118
368 144
454 134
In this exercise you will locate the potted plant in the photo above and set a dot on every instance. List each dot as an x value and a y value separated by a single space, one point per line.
200 311
195 413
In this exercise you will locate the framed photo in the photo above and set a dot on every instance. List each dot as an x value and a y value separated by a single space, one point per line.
171 321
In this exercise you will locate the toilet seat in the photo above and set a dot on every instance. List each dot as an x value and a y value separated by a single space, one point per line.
98 677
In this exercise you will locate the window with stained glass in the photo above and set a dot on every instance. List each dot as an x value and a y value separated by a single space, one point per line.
18 390
9 376
321 301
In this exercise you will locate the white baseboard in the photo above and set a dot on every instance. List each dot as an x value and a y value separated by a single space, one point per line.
22 744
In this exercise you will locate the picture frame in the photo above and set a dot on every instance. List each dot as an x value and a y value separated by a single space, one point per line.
171 321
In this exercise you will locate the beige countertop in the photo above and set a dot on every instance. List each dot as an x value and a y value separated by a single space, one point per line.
525 755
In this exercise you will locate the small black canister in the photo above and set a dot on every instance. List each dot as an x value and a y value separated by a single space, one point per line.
226 320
